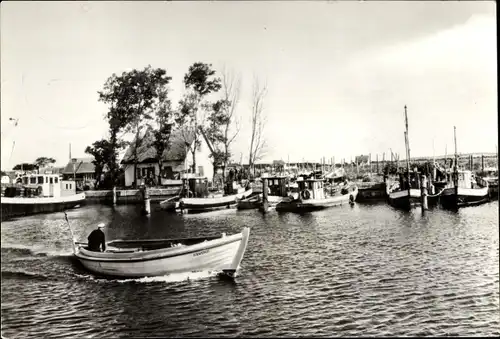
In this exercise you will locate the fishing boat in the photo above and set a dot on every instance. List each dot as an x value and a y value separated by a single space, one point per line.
277 190
463 188
160 257
39 193
490 174
195 197
313 196
402 195
466 191
407 191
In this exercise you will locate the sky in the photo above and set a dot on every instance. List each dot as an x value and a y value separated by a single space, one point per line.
338 73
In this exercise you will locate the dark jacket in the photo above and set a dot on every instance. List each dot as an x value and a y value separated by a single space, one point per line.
96 239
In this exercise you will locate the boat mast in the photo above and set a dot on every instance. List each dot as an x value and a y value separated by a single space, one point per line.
455 169
407 142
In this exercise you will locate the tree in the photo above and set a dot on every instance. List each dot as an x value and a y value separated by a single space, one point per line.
199 82
42 162
133 97
258 123
224 127
103 153
162 134
25 167
214 132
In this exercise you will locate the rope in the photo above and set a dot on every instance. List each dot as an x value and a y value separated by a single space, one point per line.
435 195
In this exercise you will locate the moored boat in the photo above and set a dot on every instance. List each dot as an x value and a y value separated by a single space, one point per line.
407 192
146 258
406 195
313 196
464 189
277 190
39 193
467 191
196 197
491 176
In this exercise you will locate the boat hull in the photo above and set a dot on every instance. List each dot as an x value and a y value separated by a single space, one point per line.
210 204
403 200
170 204
17 207
222 254
465 197
254 203
316 204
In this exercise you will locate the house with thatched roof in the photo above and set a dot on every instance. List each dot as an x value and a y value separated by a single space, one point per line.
176 160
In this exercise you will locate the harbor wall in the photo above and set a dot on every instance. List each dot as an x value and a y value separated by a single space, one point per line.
130 196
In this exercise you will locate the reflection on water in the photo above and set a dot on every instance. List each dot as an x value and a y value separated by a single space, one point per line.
366 270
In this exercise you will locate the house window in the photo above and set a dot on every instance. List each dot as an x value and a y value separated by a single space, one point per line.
40 179
167 172
200 170
32 180
51 180
56 180
46 180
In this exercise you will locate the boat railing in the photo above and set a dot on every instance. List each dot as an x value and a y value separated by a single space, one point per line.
482 182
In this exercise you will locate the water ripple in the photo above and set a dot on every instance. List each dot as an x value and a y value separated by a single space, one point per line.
363 270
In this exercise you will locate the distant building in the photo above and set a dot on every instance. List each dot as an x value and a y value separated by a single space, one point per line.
9 177
362 159
175 161
81 170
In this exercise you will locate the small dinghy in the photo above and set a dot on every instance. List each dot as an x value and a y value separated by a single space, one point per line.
195 196
159 257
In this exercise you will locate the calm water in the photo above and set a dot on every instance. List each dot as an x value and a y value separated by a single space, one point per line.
367 270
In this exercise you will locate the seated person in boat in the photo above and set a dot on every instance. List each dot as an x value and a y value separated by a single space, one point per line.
97 238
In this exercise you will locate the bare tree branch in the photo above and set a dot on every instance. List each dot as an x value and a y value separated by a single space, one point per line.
258 122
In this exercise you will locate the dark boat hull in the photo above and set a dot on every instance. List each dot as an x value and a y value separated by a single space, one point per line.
465 197
19 210
402 200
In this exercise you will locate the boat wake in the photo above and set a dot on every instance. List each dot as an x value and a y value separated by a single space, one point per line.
177 277
34 251
23 275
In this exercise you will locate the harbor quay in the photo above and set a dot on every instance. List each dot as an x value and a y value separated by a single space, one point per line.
130 196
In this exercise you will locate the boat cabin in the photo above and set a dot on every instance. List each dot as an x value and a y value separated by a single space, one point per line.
311 189
194 186
46 185
414 180
277 185
465 179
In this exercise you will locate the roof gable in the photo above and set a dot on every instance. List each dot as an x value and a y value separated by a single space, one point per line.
147 152
81 165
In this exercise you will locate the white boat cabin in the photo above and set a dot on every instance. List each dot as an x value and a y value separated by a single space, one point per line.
311 189
466 179
49 185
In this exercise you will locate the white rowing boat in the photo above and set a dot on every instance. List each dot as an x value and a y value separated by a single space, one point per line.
142 258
